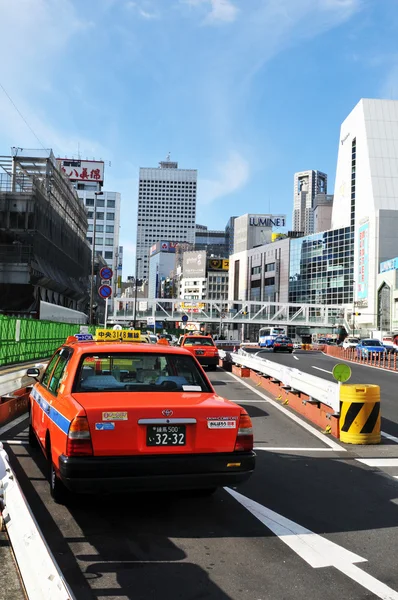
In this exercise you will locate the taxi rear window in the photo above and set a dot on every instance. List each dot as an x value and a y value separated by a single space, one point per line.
139 372
195 341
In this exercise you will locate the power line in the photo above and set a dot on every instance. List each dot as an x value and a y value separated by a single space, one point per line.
21 115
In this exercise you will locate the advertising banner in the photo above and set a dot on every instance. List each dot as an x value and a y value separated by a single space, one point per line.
363 262
82 170
194 264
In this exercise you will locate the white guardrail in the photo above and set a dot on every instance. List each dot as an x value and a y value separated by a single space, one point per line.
315 387
13 380
40 573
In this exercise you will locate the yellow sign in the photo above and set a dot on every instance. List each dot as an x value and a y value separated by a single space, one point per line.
277 236
192 306
109 335
225 265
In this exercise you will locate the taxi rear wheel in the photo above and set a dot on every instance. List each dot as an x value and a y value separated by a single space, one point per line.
32 439
57 489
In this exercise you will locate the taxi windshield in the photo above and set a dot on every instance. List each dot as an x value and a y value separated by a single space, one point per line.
139 372
197 341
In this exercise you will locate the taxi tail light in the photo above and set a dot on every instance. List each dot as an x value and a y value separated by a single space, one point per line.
244 439
79 438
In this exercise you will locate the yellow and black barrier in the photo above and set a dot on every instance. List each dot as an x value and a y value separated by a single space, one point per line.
360 414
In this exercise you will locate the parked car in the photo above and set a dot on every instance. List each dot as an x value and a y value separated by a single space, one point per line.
368 348
283 344
351 342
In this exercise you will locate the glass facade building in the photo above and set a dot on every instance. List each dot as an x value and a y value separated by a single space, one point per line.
321 269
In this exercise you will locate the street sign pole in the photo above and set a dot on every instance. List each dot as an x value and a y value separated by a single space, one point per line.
106 312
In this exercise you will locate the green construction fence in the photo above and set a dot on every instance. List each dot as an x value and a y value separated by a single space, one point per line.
23 340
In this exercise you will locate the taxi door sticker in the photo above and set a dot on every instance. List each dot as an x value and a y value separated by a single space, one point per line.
115 416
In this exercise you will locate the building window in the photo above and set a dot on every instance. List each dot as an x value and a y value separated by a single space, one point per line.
89 201
108 254
99 241
100 202
270 267
109 228
110 216
110 203
90 214
108 241
100 216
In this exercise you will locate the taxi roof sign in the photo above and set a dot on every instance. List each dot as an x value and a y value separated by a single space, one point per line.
112 335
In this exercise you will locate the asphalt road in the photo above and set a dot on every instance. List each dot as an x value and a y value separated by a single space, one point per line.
312 523
320 365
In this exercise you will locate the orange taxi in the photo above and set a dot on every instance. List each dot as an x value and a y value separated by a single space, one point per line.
203 348
115 416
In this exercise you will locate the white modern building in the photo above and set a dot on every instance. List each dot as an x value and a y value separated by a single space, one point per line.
166 208
252 230
107 228
366 198
88 178
161 266
307 184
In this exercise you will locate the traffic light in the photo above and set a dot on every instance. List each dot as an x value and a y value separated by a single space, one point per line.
357 314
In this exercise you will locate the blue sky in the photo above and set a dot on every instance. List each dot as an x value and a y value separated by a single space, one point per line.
246 91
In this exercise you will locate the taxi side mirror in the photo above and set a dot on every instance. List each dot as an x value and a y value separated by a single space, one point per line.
33 372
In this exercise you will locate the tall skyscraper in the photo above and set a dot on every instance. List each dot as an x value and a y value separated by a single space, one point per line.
307 184
166 209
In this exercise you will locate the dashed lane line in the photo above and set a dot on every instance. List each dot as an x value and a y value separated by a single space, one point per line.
266 448
13 423
293 417
324 370
379 462
392 438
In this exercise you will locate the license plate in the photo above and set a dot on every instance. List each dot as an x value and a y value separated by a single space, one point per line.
165 435
199 351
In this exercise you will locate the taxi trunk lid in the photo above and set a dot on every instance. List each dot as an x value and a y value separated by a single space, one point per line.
135 423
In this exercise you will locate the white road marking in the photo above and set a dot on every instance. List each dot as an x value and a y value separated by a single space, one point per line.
294 449
295 357
389 437
379 462
293 417
316 550
324 370
13 423
16 442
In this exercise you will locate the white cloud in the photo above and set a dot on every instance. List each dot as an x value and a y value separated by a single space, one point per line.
219 11
231 175
144 9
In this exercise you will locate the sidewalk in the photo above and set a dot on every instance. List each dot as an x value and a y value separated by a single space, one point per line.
11 587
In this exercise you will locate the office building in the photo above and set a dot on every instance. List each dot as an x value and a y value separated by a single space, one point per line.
366 198
44 256
323 206
87 177
307 184
321 268
166 208
213 241
204 277
252 230
261 274
161 268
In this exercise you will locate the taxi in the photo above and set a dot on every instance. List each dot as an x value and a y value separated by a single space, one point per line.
203 348
121 416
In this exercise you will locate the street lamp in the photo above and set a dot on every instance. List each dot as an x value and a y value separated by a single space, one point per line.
93 256
136 289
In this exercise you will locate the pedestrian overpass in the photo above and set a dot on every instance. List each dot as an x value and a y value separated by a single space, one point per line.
230 312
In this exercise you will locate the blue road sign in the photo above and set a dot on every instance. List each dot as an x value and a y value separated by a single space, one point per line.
105 291
184 318
106 273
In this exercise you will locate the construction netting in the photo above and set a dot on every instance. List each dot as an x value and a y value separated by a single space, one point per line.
23 340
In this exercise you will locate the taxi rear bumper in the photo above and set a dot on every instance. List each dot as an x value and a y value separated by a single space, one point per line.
207 360
143 473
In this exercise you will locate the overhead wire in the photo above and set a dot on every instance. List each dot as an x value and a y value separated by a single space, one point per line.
21 115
